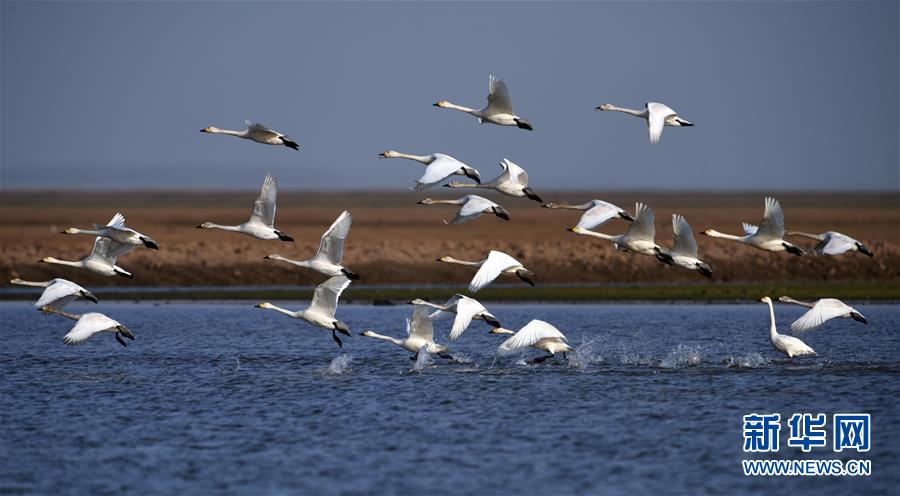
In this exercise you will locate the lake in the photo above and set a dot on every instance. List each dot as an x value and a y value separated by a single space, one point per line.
226 398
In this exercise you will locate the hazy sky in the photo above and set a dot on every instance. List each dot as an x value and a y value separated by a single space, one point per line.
799 95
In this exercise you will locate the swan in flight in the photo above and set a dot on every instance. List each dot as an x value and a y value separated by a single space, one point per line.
639 238
822 311
499 108
833 243
262 220
88 324
596 212
789 345
657 116
102 259
58 292
258 133
684 253
769 236
472 208
331 250
321 310
491 267
419 333
513 181
536 334
117 231
466 310
437 168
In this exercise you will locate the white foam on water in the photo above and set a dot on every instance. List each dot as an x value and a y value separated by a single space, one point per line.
583 356
339 365
751 360
423 361
682 355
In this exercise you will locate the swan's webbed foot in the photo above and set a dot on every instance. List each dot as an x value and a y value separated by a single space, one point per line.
445 356
120 340
353 276
541 359
341 327
336 339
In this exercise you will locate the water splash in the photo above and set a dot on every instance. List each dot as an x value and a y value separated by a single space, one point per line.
462 358
751 360
224 369
629 357
682 355
423 361
339 365
584 356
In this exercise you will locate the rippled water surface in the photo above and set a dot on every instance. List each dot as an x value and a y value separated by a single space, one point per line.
226 398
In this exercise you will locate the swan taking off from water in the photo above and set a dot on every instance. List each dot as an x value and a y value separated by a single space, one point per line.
58 293
321 310
597 213
466 310
419 333
437 168
499 108
657 116
258 133
769 236
117 231
331 250
684 252
536 334
833 243
89 324
513 181
639 238
472 208
102 259
822 311
491 267
789 345
262 220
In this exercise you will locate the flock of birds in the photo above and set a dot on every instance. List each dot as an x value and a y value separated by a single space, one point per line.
114 240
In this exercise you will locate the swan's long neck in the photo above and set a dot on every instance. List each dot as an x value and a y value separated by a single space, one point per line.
636 113
457 184
805 235
600 235
459 107
424 159
284 311
75 230
788 299
57 261
569 206
229 132
716 234
459 201
20 282
299 263
461 262
61 313
773 331
224 228
434 305
398 342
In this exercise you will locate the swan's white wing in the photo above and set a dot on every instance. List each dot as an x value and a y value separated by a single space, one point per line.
466 309
642 227
118 221
772 225
475 205
533 332
331 247
325 297
749 229
685 244
600 213
657 114
58 294
498 96
516 173
835 244
107 251
88 325
420 325
824 309
442 167
496 262
259 131
264 207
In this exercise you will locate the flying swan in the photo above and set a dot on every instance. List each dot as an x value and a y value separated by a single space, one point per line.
657 116
58 293
117 231
331 250
596 212
258 133
789 345
822 311
321 310
419 333
639 238
437 168
88 324
499 108
466 310
472 208
262 220
513 181
769 236
833 243
491 267
536 334
684 252
102 259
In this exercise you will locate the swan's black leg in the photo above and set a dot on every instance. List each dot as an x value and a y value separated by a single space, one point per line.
120 340
336 339
541 359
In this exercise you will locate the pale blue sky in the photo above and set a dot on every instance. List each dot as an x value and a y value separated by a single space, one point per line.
786 96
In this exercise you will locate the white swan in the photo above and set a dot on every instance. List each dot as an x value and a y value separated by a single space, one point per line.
472 208
769 236
331 250
437 168
596 212
258 133
466 310
102 259
58 292
789 345
536 334
513 181
262 220
499 108
833 243
657 116
419 333
684 252
822 311
321 310
639 238
491 267
117 231
88 324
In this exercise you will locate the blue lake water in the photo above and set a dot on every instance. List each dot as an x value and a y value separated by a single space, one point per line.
227 398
